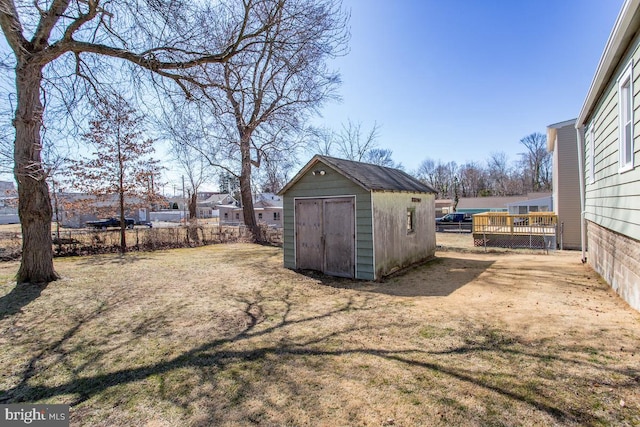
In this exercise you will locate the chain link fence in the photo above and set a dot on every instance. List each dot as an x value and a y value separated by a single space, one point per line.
68 242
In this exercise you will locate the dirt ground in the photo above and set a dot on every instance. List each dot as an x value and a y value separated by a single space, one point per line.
224 335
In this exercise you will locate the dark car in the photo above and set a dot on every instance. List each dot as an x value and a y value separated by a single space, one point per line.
454 222
454 217
111 222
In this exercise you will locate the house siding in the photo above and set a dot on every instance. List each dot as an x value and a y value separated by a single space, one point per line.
566 186
395 248
611 201
332 184
612 210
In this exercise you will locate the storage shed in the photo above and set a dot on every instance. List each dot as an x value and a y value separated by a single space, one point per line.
357 220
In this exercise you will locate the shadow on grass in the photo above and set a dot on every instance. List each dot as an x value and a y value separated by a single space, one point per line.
437 277
113 259
221 355
20 296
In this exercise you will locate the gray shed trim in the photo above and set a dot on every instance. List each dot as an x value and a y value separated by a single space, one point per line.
369 177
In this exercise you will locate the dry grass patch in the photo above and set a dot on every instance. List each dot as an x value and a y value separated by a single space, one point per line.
223 335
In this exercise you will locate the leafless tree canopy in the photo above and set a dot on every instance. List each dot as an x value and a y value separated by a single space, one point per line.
63 49
263 95
496 177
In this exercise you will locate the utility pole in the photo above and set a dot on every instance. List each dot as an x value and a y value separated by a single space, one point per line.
184 203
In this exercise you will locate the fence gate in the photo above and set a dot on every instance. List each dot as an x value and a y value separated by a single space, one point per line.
325 235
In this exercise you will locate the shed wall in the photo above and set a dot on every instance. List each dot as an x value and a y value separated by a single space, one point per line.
395 247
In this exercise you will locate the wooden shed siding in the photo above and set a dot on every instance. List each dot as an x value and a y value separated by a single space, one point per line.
566 184
328 185
612 200
394 247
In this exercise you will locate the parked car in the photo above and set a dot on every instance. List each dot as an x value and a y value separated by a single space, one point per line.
455 222
454 217
111 222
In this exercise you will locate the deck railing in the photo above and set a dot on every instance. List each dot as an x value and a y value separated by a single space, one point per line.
501 229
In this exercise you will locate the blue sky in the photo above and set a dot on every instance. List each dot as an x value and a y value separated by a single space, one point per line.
455 80
458 79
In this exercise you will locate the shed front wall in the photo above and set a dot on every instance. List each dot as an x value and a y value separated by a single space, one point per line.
395 247
331 184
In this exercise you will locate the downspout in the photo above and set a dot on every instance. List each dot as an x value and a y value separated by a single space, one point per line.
583 229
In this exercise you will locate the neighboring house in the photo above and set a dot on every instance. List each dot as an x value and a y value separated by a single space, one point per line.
7 188
610 159
176 207
75 209
532 205
267 208
208 203
443 207
8 203
562 142
357 220
473 205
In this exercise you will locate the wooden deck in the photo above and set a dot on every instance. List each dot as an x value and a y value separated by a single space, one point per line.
497 229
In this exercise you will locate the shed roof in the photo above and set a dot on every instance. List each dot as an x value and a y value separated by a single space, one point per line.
368 176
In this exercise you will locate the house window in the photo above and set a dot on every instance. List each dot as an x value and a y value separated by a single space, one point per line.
625 111
226 215
260 215
411 220
592 154
276 216
237 216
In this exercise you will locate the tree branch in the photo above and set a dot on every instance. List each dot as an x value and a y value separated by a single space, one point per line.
12 28
48 20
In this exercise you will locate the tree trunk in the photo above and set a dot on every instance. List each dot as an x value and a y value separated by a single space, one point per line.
193 217
123 222
245 189
193 205
34 203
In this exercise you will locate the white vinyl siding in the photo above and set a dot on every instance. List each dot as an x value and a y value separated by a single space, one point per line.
625 114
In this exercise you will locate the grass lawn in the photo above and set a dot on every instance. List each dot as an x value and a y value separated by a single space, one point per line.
224 335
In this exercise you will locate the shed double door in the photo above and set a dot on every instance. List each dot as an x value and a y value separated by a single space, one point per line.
325 235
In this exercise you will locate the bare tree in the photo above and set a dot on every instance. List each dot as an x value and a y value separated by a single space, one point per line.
176 42
186 144
276 172
537 162
121 164
269 89
322 141
381 157
352 143
473 180
439 176
499 173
